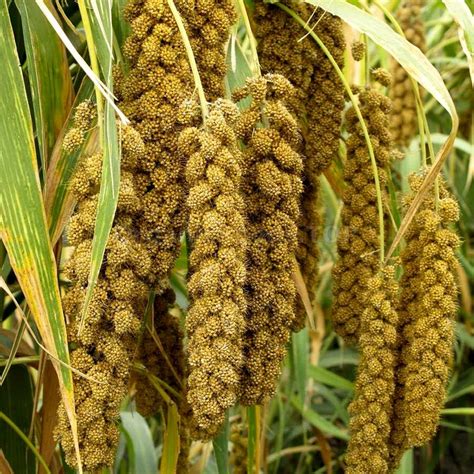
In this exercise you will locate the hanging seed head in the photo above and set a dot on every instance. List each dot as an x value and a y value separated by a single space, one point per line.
358 241
382 76
428 306
272 187
404 116
316 102
208 27
358 50
73 140
371 409
84 115
147 227
215 322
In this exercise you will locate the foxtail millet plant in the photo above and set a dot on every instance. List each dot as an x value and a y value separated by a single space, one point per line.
272 189
145 238
323 124
103 341
154 95
208 25
371 409
358 50
215 322
403 119
427 309
358 242
285 48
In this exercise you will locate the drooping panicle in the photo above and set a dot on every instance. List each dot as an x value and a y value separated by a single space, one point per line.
272 189
103 340
358 240
155 94
216 318
208 24
371 410
427 309
286 48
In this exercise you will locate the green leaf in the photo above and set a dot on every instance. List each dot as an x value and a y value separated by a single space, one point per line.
319 374
16 401
406 464
140 446
221 447
338 358
49 76
340 406
121 27
299 350
456 426
458 411
23 226
102 35
238 70
319 422
171 442
465 20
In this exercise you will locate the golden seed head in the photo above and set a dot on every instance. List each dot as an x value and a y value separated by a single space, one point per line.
358 50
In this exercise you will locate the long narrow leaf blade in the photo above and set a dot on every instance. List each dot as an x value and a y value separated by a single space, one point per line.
465 20
221 448
171 442
319 422
140 443
101 22
50 78
23 226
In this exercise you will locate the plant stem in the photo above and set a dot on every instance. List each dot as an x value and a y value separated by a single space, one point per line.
93 57
22 435
20 360
191 59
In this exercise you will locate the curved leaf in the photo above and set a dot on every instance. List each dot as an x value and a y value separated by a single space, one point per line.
23 227
50 78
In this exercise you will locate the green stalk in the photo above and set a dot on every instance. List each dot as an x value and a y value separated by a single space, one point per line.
363 125
93 57
20 360
366 60
220 445
191 59
26 440
3 256
158 384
